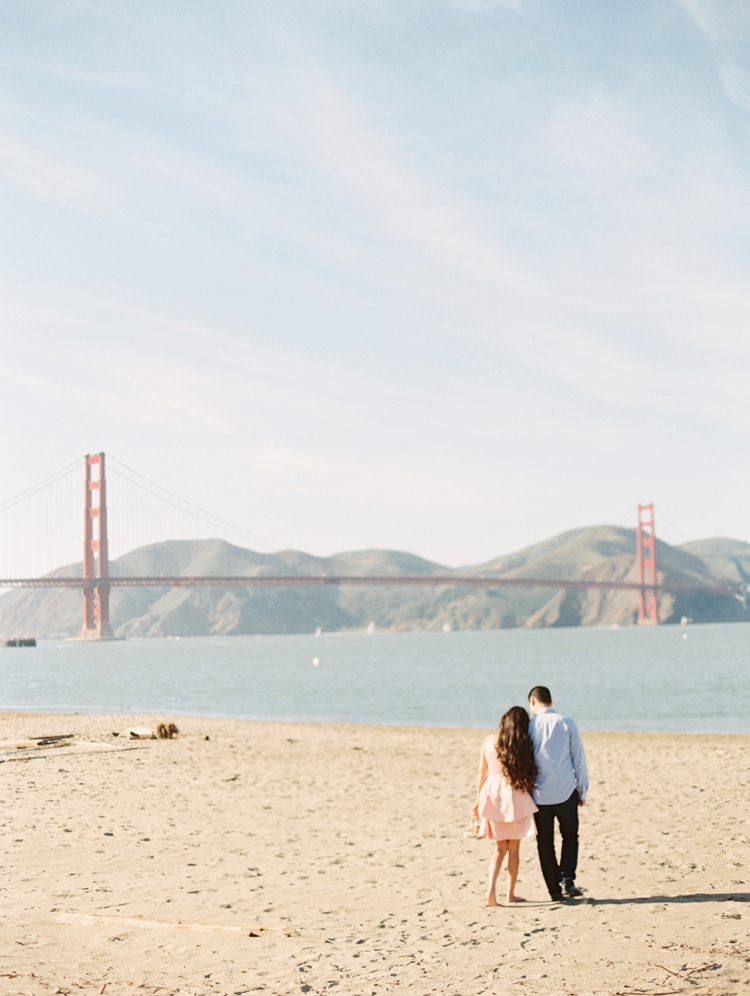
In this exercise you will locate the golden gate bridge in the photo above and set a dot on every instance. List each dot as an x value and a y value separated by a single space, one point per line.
96 581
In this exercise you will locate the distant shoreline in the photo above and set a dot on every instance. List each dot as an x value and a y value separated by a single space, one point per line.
145 718
589 555
399 631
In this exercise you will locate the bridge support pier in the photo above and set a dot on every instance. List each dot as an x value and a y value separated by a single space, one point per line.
96 625
645 546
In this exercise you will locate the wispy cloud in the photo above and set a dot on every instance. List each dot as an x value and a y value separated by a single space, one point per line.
395 486
720 22
486 5
66 72
47 177
592 135
401 207
471 282
727 27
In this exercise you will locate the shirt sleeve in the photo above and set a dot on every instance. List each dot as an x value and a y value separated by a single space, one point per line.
578 755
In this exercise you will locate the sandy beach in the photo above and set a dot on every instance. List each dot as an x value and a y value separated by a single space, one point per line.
288 858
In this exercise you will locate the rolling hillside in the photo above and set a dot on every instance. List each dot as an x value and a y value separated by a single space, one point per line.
597 552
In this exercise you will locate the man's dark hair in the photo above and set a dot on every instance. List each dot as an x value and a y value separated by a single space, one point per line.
541 694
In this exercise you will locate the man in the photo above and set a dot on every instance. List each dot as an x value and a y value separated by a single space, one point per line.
560 789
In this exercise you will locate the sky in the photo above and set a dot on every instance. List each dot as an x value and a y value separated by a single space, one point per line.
447 276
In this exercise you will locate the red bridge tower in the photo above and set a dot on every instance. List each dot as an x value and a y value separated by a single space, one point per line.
645 545
95 553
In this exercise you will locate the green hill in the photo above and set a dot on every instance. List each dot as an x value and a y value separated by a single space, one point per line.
596 552
725 558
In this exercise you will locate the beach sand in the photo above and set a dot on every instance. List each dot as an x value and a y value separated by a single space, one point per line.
288 858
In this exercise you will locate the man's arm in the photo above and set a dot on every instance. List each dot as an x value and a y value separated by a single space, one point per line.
578 756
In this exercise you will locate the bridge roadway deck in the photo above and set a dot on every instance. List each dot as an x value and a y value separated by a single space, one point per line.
434 580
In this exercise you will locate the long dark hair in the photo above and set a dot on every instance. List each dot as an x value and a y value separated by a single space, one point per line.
515 751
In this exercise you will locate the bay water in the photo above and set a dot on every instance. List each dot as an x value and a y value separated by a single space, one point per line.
680 679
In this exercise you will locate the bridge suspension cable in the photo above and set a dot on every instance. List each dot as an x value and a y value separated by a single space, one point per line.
41 485
188 507
40 525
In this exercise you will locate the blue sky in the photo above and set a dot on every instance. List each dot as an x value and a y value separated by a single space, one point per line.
441 276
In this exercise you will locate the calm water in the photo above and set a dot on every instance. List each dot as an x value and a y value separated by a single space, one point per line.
608 679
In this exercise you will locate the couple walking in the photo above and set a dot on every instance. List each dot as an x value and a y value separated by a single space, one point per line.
531 773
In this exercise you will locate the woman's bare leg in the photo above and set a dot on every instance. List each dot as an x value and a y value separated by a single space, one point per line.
496 861
514 847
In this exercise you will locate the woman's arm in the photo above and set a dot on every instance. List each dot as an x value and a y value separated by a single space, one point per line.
480 780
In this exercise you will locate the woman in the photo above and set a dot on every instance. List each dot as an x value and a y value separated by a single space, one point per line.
507 773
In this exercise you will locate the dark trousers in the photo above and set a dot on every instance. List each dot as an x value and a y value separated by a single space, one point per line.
567 816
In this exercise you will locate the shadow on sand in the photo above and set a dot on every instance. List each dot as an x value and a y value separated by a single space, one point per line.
695 897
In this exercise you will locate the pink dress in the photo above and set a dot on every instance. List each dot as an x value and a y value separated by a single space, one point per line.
506 813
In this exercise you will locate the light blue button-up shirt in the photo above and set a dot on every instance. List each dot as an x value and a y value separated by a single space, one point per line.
560 758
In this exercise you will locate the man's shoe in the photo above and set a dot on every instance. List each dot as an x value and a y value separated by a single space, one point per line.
572 890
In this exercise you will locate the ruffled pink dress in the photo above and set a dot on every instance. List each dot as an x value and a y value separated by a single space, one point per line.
506 813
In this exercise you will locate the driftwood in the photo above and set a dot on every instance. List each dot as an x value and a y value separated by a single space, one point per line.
28 750
164 731
65 740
